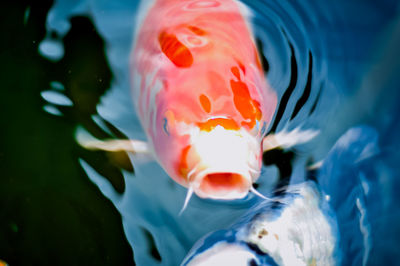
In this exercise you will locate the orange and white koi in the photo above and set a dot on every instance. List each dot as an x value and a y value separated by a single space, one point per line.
202 99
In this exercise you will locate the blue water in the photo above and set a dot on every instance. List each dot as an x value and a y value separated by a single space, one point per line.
352 47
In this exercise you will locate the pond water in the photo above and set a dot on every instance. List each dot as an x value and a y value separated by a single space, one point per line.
332 64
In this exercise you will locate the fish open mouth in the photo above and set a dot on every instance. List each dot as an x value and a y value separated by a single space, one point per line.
220 163
224 185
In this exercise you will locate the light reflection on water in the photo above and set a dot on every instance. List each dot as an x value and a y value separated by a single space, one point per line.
320 46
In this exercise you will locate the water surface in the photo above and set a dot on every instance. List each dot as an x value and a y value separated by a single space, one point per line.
331 65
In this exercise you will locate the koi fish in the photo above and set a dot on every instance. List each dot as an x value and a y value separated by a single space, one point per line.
324 222
203 99
295 231
201 96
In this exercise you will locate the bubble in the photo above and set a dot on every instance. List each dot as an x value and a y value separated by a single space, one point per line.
52 110
51 49
56 98
57 85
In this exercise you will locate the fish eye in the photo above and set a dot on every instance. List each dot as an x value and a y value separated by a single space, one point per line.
165 125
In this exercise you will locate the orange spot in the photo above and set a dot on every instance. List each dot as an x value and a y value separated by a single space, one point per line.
182 165
222 181
178 53
240 89
205 103
226 123
242 99
235 72
246 106
197 30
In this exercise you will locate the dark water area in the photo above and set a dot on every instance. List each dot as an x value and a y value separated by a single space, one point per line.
51 214
333 64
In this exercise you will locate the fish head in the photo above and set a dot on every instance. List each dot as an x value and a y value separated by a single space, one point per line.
215 159
209 129
223 163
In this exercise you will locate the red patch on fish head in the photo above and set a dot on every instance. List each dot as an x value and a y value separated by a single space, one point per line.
248 108
205 103
176 51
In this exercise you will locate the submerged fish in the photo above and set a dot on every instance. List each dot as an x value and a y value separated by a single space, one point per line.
298 230
324 223
201 96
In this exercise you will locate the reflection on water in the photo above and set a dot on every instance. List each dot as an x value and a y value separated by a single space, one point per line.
323 61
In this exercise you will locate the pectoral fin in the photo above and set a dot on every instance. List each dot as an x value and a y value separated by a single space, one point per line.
288 139
86 140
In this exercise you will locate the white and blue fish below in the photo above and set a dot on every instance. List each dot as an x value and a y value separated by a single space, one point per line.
324 221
